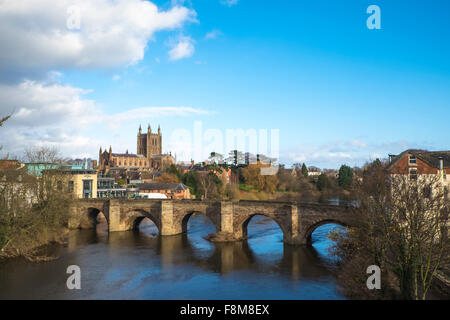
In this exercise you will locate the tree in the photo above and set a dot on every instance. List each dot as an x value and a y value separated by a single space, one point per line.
236 158
190 179
173 170
49 155
345 177
209 184
168 177
304 170
216 158
2 121
402 228
33 211
252 176
323 182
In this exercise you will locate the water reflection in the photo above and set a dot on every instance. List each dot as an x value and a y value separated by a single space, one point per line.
142 265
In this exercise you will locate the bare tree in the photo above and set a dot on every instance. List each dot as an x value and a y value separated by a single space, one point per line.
33 211
43 155
402 228
2 121
207 182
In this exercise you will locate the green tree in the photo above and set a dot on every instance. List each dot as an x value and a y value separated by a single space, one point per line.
323 182
304 170
190 179
345 177
173 169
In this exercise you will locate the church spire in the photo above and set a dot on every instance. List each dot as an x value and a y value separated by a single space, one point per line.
140 130
149 129
159 130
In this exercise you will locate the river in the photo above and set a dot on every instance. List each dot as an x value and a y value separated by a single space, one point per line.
142 265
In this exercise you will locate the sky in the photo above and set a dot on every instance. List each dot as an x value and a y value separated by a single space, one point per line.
327 90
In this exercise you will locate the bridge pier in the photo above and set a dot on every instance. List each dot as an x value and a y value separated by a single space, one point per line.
225 229
168 227
115 224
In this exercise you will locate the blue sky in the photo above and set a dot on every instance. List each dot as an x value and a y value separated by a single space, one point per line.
337 91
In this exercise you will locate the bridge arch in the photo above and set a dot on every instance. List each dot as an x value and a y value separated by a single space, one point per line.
309 231
243 228
188 214
92 215
134 217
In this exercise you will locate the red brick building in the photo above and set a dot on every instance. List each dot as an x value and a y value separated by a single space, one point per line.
420 162
421 165
171 190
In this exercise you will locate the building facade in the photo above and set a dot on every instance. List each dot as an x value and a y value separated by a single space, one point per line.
170 190
80 183
148 157
421 165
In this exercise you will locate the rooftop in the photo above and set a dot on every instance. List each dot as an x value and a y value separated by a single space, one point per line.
162 186
430 157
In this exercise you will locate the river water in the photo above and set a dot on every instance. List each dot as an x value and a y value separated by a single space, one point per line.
141 265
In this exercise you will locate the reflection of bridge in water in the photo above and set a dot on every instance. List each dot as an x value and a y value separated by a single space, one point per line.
297 221
223 258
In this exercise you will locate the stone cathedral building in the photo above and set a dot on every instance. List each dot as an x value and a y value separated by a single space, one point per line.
149 155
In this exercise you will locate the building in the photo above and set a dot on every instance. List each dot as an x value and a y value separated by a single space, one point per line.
36 168
80 183
108 188
16 182
149 144
417 164
10 164
148 157
170 190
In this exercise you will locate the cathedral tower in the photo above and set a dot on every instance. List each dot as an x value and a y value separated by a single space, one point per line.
149 144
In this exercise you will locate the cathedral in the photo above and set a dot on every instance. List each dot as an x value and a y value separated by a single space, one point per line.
149 155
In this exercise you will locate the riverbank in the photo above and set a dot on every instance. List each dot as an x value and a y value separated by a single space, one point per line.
441 284
35 249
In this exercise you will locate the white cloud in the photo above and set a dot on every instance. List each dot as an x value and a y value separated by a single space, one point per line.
229 3
116 77
213 34
183 48
35 34
352 152
59 115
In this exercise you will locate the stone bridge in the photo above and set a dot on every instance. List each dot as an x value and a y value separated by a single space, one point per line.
296 220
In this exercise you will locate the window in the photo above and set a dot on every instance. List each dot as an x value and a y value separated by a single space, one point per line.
413 174
59 185
87 185
412 160
70 186
87 188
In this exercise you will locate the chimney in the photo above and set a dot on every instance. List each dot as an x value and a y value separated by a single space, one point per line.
441 163
391 156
